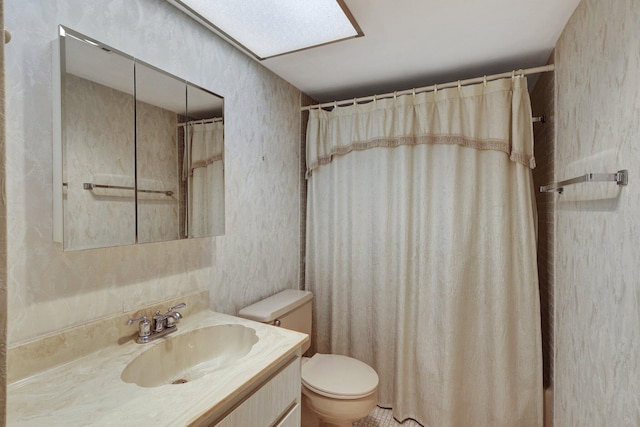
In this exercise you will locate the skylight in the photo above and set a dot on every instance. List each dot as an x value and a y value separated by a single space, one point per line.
267 28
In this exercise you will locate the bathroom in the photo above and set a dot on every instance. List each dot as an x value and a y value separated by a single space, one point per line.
592 261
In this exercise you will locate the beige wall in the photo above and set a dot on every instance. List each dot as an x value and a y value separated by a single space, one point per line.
3 241
597 355
50 289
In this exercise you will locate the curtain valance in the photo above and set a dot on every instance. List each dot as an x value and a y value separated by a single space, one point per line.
491 116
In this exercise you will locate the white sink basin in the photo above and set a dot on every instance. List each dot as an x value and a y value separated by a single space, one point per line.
186 357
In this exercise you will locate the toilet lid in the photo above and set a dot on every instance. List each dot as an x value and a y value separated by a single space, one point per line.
338 376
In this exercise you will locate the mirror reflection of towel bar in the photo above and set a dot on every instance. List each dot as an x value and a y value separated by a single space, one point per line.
91 186
621 178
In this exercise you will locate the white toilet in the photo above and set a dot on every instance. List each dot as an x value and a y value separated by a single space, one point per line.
338 390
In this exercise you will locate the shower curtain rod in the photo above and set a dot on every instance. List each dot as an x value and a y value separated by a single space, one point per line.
525 72
201 121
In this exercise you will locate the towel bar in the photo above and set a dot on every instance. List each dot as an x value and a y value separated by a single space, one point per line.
91 186
621 178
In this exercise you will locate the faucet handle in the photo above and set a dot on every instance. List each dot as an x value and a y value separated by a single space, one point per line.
144 328
175 307
136 319
173 317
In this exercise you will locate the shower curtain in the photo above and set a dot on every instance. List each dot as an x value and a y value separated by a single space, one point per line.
421 251
206 180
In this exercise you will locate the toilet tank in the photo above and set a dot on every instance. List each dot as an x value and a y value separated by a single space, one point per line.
290 309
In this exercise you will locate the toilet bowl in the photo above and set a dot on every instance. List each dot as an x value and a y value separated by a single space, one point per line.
337 390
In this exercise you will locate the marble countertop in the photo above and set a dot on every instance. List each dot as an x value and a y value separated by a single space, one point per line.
89 390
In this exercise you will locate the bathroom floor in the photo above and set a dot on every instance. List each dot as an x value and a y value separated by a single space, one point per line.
383 418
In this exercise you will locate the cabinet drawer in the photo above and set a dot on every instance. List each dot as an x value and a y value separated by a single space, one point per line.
269 403
292 419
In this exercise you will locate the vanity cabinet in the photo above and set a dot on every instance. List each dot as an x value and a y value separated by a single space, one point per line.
260 388
276 403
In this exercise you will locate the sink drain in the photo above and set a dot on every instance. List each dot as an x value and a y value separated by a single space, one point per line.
179 381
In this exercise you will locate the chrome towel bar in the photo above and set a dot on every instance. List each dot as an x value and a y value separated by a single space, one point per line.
621 178
91 186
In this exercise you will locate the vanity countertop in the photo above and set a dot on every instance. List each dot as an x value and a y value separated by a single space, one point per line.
89 390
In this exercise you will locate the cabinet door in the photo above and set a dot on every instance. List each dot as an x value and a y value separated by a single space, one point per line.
271 402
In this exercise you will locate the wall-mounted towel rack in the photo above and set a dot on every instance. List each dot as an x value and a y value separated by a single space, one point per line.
621 178
91 186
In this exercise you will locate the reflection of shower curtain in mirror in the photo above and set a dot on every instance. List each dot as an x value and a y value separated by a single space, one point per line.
206 180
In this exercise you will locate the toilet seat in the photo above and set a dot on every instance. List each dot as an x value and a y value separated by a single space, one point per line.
338 377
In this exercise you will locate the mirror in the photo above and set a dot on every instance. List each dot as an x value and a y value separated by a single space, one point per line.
205 154
157 153
141 152
98 143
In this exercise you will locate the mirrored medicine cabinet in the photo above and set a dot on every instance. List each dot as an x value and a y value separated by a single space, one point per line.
138 152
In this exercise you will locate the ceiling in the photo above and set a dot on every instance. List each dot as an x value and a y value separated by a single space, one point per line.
414 43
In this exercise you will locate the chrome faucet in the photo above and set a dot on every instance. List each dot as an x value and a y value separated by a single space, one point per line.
159 326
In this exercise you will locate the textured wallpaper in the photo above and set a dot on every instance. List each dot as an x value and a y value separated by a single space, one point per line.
3 252
597 359
50 289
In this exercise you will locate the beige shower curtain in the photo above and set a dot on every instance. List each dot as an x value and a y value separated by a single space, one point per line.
206 180
421 251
